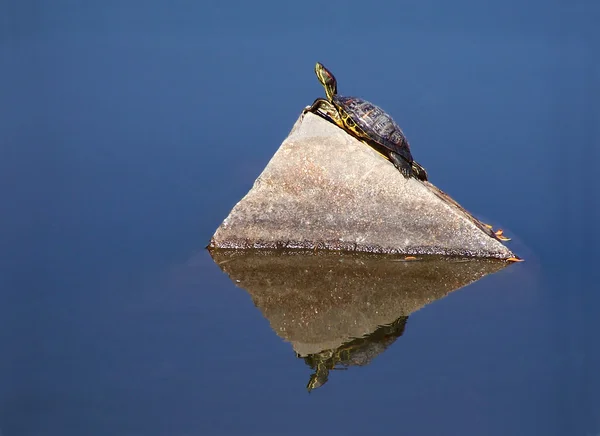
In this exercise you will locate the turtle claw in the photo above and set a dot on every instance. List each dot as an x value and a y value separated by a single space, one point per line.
401 164
406 173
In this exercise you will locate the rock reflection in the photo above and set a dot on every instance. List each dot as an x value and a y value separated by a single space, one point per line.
340 310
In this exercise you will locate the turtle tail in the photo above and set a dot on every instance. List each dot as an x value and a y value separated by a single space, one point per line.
419 171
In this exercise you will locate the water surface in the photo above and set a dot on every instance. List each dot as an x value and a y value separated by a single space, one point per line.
127 134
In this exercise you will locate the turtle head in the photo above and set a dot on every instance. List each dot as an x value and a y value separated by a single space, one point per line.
327 80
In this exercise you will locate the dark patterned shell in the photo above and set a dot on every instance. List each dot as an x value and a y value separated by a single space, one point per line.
376 123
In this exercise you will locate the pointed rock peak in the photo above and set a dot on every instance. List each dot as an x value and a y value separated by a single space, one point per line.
324 189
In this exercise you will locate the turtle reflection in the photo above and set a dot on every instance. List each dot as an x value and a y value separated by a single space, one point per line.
358 352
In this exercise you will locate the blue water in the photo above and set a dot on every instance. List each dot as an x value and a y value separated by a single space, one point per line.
128 132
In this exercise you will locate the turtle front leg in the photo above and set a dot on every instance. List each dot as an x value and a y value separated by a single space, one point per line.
316 105
322 106
401 164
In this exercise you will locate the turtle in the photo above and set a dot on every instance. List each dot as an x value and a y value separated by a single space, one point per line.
366 122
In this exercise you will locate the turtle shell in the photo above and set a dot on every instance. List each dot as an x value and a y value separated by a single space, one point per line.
375 123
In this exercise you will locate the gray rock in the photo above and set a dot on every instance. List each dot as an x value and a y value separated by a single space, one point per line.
324 189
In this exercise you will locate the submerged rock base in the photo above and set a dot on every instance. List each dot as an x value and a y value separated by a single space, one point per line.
324 189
